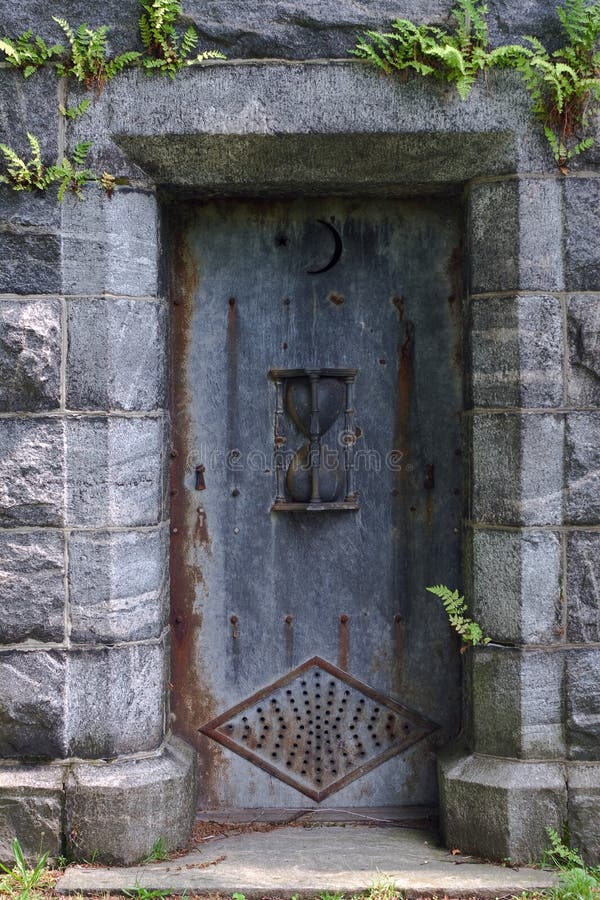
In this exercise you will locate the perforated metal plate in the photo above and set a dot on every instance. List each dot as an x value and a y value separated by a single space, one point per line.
317 728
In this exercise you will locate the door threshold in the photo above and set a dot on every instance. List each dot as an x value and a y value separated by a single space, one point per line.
425 817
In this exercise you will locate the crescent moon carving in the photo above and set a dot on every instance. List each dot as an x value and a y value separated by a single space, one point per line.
337 250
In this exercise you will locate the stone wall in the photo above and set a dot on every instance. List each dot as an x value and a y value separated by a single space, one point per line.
83 519
291 29
85 737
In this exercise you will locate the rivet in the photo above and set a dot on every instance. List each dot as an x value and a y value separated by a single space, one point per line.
232 301
175 530
235 492
236 530
343 618
288 620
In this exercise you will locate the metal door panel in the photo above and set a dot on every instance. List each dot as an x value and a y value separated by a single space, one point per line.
257 593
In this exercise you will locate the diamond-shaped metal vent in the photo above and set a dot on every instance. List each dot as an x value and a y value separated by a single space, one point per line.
317 728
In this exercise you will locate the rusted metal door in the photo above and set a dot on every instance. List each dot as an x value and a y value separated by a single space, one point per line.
309 665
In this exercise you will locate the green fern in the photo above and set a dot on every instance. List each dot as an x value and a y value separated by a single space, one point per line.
564 85
25 175
74 112
28 53
455 55
454 603
561 855
166 52
575 880
205 55
88 60
71 174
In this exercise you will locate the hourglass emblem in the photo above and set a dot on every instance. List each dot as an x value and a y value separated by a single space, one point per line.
319 476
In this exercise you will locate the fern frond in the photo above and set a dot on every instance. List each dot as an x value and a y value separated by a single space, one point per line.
12 158
62 23
120 63
188 42
25 175
81 151
74 112
10 52
107 182
145 31
536 45
166 52
28 53
206 55
456 607
561 855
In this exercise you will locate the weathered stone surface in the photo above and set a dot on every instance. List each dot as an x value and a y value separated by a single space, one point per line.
517 705
582 466
121 809
584 809
285 29
116 700
583 703
29 355
516 351
32 692
515 228
312 127
110 245
499 808
312 862
30 262
31 472
29 105
583 587
118 585
32 590
31 802
114 471
583 317
517 475
21 208
582 220
116 355
516 585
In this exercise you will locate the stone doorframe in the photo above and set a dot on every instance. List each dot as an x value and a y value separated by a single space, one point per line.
84 666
